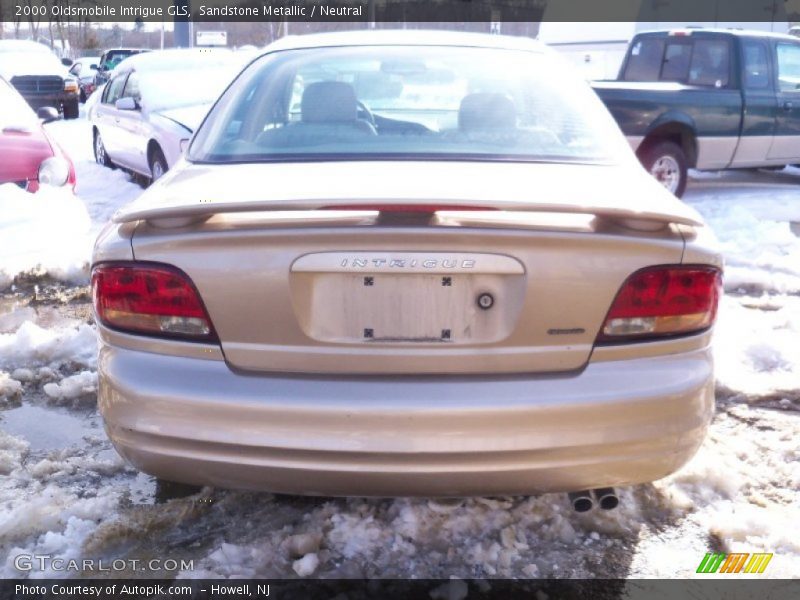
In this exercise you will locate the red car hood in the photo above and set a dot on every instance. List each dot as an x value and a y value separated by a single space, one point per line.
22 152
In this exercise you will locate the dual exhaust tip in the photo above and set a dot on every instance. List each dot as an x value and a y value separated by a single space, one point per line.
606 498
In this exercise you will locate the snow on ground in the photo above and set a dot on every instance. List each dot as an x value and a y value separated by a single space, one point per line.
102 190
756 217
762 253
64 491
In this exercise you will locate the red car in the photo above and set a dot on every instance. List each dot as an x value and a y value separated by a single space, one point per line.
30 155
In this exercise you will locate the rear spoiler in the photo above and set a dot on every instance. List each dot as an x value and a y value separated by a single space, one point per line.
180 214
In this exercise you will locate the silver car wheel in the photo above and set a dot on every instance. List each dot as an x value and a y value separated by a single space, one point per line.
99 150
158 169
667 171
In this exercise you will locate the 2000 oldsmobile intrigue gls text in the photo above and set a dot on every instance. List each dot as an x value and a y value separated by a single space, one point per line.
399 263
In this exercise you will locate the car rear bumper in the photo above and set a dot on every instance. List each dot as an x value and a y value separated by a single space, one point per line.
615 423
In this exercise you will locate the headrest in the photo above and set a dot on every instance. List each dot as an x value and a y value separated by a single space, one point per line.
487 111
329 102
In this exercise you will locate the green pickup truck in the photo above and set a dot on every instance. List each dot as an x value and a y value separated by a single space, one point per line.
708 99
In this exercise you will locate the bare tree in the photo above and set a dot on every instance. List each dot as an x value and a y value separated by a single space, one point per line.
34 20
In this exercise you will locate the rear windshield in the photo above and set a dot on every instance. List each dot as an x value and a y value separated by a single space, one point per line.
408 101
685 59
162 90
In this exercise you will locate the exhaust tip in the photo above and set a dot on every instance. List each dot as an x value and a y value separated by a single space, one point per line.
607 498
581 501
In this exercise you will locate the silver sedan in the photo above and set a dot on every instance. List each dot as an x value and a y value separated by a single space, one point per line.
152 104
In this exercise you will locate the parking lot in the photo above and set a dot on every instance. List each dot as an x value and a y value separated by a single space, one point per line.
65 492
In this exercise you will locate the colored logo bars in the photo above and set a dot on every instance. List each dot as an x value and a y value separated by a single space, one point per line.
715 562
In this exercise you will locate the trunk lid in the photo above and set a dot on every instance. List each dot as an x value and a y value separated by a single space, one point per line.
461 293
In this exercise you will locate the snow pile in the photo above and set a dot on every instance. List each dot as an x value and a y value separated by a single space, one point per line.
755 233
45 232
43 511
355 537
11 320
757 344
54 522
74 386
13 451
9 388
740 491
62 464
306 566
32 345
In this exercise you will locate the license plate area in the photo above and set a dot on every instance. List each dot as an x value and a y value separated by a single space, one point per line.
374 306
385 307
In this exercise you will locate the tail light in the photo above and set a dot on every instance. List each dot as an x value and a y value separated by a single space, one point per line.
663 301
150 299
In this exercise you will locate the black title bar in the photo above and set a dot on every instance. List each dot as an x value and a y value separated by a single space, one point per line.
387 11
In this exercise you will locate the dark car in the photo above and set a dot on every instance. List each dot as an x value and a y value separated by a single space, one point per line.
30 156
85 69
708 99
39 76
110 59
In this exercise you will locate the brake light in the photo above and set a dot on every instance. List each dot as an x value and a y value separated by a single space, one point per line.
150 299
663 301
408 208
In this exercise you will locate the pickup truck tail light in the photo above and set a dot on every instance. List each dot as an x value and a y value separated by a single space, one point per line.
150 299
663 301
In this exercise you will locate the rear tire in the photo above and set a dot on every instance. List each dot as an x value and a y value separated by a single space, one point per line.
72 110
667 163
158 164
100 154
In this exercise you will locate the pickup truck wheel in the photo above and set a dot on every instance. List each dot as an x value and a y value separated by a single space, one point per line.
666 161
